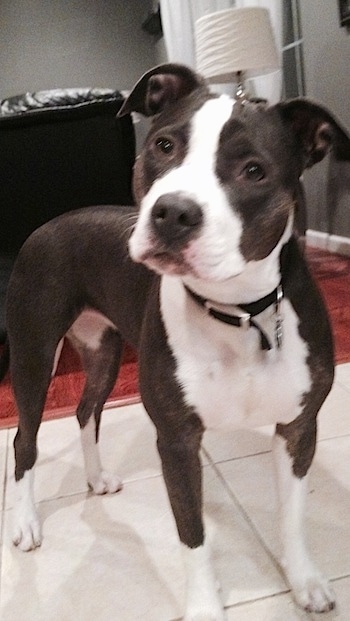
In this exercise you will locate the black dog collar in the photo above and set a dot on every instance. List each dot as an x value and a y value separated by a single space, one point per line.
243 319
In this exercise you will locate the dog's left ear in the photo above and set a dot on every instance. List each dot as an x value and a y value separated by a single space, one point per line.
159 86
317 130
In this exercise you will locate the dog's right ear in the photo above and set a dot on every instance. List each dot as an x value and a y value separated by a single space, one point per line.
160 86
317 130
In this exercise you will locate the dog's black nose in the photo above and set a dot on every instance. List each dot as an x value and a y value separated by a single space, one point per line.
176 217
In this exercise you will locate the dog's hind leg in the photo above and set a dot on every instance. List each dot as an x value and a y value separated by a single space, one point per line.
30 380
294 447
101 356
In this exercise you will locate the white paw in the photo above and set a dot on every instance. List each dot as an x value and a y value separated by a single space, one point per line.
314 594
203 602
27 532
105 483
205 614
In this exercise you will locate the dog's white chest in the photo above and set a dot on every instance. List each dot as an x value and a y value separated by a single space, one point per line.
224 373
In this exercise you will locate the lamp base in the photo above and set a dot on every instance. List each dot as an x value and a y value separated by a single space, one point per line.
241 94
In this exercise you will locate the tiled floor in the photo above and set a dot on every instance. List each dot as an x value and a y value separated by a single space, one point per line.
116 558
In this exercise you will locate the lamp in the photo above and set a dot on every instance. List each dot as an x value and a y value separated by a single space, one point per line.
234 45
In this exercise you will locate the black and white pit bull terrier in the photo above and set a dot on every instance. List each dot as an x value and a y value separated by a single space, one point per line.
208 282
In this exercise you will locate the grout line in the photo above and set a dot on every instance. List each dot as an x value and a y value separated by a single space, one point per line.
344 435
228 459
246 516
263 598
90 493
342 385
254 600
337 579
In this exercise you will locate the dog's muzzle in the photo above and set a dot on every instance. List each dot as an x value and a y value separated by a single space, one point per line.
175 219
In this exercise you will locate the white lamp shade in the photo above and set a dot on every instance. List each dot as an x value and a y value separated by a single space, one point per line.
235 40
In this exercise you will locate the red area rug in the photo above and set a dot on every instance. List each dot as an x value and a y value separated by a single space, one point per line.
332 272
67 386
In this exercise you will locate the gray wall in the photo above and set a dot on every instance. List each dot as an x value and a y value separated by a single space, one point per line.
48 44
327 76
65 43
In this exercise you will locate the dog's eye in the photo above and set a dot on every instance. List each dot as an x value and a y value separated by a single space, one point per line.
165 145
254 172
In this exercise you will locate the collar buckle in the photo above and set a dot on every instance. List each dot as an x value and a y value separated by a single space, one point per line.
279 318
243 318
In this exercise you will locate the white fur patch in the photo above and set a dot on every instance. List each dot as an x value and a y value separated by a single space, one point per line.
257 279
224 374
88 330
202 594
89 327
310 588
26 526
215 254
57 357
100 481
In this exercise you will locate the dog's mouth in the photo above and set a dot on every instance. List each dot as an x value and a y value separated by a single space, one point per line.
169 263
198 258
166 262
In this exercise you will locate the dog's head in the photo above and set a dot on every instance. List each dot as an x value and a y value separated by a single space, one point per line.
216 181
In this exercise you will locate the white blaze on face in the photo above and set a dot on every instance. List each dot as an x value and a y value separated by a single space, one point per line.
214 254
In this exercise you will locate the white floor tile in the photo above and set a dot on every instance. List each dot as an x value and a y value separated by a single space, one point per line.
127 447
118 557
334 415
223 446
3 481
3 460
244 569
342 374
328 526
281 608
101 558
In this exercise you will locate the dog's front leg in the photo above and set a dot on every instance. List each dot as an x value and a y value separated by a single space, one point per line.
179 431
203 603
181 465
293 453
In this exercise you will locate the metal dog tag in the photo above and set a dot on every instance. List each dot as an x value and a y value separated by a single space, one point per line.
279 318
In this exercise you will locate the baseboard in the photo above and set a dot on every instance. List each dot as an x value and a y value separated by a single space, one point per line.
333 243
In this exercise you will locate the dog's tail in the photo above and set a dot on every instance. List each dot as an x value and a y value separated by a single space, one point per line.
4 360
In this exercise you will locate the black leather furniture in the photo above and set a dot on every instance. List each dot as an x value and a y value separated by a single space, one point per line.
59 150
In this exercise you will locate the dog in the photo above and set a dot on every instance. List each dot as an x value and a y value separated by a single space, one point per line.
206 279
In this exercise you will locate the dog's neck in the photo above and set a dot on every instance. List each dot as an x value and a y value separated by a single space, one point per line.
257 279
